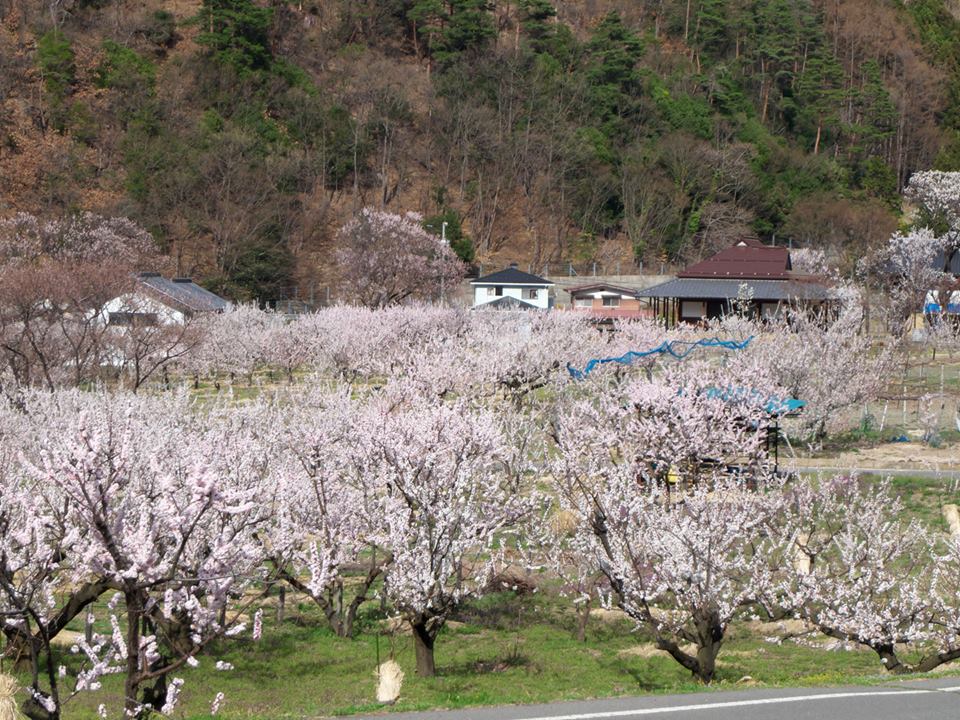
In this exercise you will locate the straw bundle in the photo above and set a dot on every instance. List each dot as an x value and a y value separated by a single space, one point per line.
9 710
388 689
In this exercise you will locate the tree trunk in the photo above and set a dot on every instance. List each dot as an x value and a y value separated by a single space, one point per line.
281 604
893 665
131 684
707 661
423 641
20 648
583 617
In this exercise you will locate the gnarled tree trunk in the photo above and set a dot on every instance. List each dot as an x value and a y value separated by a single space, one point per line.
424 636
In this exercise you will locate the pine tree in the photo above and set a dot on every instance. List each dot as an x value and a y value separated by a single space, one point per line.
612 75
452 27
536 19
237 33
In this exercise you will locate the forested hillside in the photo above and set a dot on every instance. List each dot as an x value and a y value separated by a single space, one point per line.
242 134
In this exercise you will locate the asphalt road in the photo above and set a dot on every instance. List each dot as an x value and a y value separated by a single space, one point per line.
937 699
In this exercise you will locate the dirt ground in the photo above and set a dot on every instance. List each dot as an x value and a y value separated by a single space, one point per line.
909 455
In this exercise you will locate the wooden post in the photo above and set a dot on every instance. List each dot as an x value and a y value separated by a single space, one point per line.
903 415
903 396
943 401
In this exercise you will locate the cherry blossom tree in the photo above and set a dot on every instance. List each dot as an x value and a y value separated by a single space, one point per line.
385 258
871 578
84 237
809 261
909 271
911 265
352 343
56 276
140 351
161 509
508 357
829 364
30 556
643 475
448 505
231 342
937 193
288 345
328 513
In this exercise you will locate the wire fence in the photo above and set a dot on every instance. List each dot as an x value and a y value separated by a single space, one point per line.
591 269
297 299
920 402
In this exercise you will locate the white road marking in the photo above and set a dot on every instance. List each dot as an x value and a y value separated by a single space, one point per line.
737 703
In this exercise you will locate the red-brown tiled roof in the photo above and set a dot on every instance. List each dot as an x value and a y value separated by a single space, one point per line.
601 287
748 259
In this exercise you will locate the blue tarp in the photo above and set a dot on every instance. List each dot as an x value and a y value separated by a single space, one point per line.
772 404
669 347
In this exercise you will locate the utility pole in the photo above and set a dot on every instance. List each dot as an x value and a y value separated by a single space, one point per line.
443 239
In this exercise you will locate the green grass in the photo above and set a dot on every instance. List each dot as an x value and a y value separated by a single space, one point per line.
508 650
924 498
502 649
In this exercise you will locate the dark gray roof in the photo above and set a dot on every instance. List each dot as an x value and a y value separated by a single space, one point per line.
710 289
181 294
511 276
948 261
507 303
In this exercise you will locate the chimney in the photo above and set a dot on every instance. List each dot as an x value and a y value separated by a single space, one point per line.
513 266
184 280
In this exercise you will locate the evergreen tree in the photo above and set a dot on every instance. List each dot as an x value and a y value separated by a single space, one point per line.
56 59
458 240
611 73
237 33
713 31
452 27
536 19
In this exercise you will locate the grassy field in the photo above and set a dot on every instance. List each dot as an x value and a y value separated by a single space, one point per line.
505 648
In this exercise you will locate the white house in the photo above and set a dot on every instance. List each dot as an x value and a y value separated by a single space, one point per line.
512 288
158 301
933 309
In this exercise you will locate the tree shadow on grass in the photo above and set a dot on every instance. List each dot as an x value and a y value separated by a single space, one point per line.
489 666
644 680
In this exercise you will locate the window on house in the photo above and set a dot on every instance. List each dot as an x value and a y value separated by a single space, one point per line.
770 311
530 294
611 302
491 292
693 309
583 302
132 318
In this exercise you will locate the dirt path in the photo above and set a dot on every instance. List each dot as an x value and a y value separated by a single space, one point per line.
897 457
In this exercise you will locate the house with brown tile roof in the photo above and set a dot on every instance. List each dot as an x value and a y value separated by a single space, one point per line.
748 271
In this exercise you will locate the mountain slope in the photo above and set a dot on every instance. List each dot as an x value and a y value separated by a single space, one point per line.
243 134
